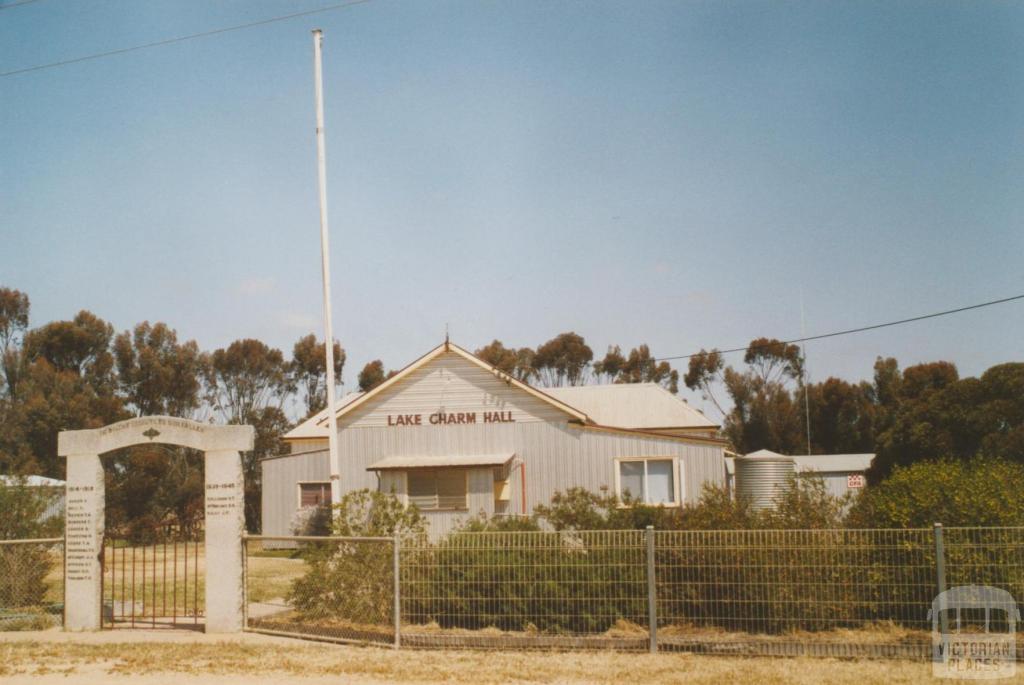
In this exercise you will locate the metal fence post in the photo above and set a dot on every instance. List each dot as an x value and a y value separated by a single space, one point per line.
940 572
396 554
245 580
652 593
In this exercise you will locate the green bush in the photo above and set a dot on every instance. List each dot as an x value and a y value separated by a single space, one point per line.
591 572
353 580
962 495
720 564
552 582
580 509
984 491
312 521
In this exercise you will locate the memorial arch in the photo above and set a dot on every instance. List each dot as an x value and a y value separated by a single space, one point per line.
224 502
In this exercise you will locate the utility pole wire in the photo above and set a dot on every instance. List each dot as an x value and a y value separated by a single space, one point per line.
179 39
856 330
9 5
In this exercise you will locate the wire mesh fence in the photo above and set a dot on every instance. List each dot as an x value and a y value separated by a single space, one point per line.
778 592
827 592
31 584
526 589
335 588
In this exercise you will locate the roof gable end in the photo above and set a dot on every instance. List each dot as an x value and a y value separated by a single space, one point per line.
450 380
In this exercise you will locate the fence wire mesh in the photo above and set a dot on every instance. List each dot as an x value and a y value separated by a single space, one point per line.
827 592
31 584
330 588
526 589
843 593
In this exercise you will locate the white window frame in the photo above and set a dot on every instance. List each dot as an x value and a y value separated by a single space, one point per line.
408 499
677 481
298 490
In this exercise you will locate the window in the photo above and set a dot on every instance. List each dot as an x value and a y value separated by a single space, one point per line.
437 489
652 481
314 494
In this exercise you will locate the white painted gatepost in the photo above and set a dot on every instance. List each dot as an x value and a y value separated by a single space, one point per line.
224 508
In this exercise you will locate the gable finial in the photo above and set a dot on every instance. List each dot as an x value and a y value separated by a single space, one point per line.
446 334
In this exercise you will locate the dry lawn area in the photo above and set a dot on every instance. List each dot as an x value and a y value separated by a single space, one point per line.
150 657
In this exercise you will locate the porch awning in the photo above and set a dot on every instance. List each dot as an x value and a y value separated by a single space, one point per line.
433 461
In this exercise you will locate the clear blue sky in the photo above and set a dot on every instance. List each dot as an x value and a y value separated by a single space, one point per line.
670 173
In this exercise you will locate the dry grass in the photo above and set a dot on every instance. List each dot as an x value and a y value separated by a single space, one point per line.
300 662
54 579
271 577
163 578
881 632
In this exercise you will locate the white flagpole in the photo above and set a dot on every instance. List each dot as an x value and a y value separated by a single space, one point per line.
321 160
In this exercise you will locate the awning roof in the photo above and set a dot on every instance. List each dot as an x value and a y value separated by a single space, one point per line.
433 461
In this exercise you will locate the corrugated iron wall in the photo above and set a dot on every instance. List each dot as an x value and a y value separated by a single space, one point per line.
555 455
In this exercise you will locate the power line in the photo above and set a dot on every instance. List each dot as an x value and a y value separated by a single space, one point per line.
858 330
9 5
179 39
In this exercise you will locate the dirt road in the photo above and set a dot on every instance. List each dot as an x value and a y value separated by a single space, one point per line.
151 657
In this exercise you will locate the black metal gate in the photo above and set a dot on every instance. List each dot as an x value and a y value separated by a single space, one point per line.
154 585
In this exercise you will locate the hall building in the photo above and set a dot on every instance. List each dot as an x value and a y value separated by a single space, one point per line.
457 437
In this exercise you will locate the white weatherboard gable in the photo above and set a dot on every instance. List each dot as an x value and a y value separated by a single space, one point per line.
454 385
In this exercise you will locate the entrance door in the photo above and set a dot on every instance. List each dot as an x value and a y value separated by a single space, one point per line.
154 585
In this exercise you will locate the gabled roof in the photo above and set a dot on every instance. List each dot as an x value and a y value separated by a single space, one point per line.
316 427
633 405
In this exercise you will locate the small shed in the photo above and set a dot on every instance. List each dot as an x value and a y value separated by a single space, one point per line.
842 473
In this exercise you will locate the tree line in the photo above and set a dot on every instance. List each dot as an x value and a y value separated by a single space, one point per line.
564 360
80 373
923 412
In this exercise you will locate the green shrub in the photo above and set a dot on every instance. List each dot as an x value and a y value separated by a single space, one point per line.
353 580
312 521
552 582
984 491
962 495
581 509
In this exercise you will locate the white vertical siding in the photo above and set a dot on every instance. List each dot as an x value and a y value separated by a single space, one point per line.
836 482
281 477
555 456
552 454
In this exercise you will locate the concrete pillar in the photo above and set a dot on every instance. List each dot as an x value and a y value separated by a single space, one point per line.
225 523
83 574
